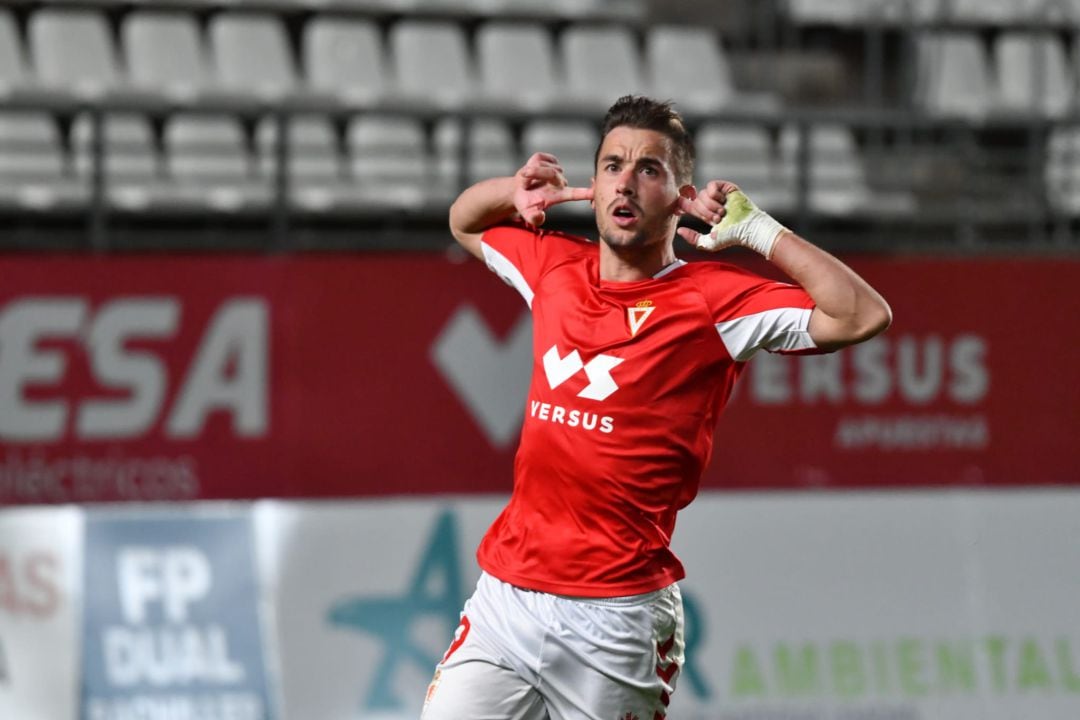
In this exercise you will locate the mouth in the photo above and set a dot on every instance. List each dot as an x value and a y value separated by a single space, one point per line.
624 214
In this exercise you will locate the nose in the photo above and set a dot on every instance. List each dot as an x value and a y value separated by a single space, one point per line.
624 183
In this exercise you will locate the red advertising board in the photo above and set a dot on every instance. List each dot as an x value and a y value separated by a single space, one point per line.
153 377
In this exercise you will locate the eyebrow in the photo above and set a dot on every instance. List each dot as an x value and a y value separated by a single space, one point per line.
644 160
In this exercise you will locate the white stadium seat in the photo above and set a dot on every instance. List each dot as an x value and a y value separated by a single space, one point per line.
72 51
345 57
1032 74
165 52
251 55
431 63
208 165
601 64
389 161
516 63
953 76
744 155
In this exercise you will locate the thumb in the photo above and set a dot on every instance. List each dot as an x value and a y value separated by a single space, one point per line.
689 235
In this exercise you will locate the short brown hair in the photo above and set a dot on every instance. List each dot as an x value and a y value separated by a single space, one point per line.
645 113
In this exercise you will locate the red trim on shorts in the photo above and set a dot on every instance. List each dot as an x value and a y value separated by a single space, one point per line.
665 673
459 638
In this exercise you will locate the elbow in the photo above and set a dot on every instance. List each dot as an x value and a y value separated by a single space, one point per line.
875 320
454 221
468 240
831 334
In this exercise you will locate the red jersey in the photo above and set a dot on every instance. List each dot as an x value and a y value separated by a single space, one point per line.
628 380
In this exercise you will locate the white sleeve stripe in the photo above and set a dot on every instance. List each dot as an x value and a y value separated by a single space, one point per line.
505 269
778 330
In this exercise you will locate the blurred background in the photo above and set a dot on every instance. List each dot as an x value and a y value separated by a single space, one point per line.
256 410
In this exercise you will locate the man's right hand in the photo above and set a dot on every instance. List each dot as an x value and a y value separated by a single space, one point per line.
539 184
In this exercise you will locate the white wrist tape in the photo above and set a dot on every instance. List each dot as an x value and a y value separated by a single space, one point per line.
743 224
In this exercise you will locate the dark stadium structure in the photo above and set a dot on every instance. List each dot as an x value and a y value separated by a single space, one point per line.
286 125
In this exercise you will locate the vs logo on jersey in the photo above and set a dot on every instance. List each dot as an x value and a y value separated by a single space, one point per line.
638 314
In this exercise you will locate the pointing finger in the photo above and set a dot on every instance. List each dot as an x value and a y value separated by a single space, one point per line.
576 193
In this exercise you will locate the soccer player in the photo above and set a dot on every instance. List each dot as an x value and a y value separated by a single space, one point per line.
577 613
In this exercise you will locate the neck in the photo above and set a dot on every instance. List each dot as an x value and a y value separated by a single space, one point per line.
630 264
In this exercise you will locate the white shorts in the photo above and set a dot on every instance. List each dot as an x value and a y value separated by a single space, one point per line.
526 655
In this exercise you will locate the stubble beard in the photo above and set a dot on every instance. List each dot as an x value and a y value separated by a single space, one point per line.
629 241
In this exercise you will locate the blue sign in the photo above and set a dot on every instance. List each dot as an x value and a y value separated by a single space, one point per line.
171 622
391 618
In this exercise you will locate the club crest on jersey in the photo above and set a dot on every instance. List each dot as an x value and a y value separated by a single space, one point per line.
638 314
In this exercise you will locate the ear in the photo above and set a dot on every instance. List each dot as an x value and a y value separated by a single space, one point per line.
687 194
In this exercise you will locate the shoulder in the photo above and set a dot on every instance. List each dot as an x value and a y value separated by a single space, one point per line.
521 230
714 278
727 288
541 242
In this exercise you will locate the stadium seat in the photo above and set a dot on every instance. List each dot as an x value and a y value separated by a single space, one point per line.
621 10
32 173
72 51
601 63
984 12
165 53
837 181
490 152
517 65
905 11
574 143
431 63
827 12
251 55
744 155
208 166
628 11
1003 12
1032 74
389 162
131 169
316 180
690 65
374 6
1062 170
344 57
1075 65
14 72
953 76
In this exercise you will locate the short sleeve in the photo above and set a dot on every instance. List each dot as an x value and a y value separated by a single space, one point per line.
753 313
520 254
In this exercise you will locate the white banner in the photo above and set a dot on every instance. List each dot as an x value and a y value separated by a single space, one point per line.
956 605
898 606
39 576
366 599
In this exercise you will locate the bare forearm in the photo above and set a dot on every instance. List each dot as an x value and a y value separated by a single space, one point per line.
479 207
849 310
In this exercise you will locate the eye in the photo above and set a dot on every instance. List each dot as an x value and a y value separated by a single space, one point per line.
611 167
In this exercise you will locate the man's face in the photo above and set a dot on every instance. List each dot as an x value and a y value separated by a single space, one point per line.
635 191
